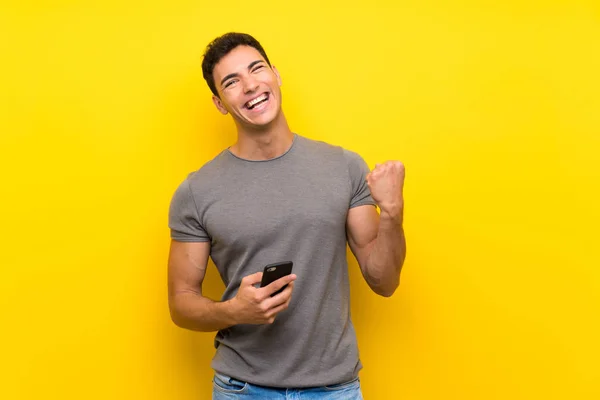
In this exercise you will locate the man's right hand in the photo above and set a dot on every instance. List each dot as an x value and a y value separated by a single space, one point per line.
253 305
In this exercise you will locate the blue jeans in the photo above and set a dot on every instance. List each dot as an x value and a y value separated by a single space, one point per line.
227 388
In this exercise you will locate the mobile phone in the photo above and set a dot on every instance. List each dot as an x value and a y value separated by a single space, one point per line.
272 272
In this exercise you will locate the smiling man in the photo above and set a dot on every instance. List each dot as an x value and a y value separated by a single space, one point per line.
273 196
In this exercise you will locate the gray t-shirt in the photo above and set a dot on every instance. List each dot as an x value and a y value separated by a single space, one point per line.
292 207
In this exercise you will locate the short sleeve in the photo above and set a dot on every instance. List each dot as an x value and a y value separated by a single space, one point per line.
183 217
358 171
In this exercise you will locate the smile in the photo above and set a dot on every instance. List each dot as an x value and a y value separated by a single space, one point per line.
256 101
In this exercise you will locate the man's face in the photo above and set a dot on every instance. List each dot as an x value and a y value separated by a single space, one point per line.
248 87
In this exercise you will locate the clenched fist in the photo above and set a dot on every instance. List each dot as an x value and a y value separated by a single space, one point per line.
386 183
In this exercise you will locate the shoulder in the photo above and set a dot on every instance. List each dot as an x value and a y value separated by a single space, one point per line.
352 157
320 148
332 154
199 183
207 173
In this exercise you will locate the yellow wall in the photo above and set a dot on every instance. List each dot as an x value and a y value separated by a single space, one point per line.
494 108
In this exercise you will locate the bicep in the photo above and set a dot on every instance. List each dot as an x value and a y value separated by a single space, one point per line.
362 225
187 266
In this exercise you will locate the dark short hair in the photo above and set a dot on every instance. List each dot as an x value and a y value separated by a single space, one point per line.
220 47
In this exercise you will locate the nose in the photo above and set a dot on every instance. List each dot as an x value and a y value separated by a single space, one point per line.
250 85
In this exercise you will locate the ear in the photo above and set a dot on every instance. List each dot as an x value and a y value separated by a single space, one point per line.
219 105
277 75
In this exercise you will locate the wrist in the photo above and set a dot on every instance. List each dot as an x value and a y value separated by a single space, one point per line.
230 309
392 214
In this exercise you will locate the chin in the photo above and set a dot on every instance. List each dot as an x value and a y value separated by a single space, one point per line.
264 121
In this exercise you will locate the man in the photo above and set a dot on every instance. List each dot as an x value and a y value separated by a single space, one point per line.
275 196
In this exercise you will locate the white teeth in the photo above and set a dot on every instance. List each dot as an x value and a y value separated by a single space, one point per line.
256 100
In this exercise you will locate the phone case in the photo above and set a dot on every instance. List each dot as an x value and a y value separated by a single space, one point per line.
274 271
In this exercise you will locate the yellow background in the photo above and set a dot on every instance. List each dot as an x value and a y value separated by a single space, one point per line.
493 106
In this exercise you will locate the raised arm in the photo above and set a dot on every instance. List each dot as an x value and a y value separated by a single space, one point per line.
377 241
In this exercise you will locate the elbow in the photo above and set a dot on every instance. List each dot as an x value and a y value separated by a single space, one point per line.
182 319
384 280
381 287
386 290
179 322
177 316
387 293
183 322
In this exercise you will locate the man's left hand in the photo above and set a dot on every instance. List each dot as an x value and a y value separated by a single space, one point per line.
386 182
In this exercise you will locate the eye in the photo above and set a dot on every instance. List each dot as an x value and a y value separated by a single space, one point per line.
230 82
258 68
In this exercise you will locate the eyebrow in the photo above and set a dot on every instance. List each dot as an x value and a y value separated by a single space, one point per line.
235 74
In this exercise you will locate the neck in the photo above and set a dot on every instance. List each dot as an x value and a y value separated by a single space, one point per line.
264 143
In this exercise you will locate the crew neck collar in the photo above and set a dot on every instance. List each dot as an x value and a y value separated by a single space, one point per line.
267 160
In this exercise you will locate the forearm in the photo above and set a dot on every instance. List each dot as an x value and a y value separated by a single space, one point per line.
386 256
193 311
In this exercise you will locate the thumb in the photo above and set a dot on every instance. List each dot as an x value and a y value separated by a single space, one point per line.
252 279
